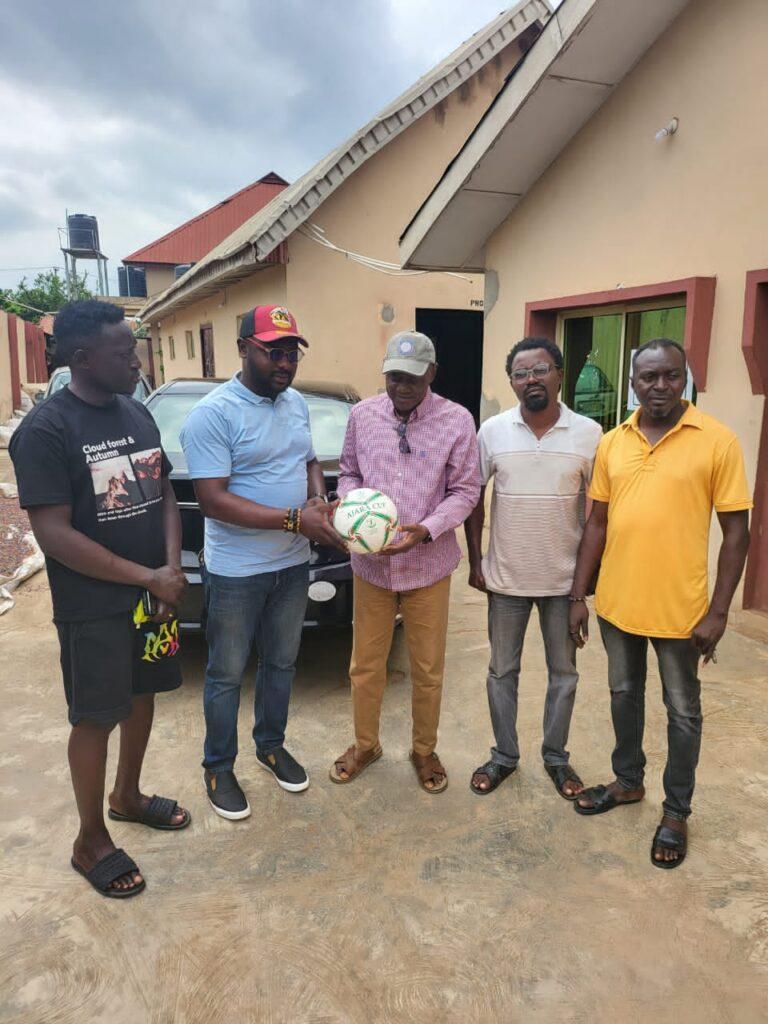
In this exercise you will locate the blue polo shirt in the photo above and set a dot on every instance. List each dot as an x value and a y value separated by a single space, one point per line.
263 446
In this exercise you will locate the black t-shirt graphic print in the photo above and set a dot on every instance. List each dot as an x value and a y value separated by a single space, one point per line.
106 462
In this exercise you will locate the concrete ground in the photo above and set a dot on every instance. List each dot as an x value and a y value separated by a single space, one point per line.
376 902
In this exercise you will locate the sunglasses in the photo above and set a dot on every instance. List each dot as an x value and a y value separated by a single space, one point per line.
405 448
292 355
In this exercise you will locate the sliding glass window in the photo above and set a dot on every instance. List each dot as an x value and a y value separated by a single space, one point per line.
597 350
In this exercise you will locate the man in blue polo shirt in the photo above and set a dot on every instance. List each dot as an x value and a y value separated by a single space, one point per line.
260 487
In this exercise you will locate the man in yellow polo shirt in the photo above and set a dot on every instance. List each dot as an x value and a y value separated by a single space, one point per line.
656 479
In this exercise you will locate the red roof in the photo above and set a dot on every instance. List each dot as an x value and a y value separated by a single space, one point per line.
191 241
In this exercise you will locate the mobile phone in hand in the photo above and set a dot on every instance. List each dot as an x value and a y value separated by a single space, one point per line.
149 604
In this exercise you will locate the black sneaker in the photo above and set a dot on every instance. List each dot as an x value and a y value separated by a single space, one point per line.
225 795
286 769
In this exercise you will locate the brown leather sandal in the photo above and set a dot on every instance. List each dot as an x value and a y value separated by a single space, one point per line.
352 763
429 769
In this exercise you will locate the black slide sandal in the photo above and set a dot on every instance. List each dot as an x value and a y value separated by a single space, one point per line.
496 774
560 774
666 838
158 814
108 870
602 801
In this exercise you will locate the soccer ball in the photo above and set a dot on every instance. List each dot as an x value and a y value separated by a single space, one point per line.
366 519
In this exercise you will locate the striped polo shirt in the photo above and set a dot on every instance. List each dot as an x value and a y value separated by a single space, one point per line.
539 497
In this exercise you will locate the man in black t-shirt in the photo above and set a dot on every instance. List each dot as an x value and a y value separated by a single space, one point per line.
94 479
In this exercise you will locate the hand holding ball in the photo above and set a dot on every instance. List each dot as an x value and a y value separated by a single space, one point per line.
366 519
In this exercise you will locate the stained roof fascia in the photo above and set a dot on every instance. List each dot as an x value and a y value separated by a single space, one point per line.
275 222
568 22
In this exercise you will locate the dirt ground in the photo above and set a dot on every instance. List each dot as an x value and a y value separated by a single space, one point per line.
376 902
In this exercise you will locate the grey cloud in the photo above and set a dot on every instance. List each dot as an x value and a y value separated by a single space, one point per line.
16 217
207 96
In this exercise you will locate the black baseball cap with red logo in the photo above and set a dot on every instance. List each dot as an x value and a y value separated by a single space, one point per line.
270 323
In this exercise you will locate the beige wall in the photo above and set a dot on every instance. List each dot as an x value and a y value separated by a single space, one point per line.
25 374
618 207
221 310
158 279
6 398
337 302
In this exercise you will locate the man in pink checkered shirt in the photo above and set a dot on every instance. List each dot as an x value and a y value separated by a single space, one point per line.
420 450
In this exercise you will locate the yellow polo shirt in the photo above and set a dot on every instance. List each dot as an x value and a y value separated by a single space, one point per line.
653 577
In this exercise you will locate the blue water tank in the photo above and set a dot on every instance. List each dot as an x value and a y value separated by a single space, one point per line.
132 282
83 231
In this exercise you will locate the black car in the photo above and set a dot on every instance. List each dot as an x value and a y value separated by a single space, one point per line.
330 573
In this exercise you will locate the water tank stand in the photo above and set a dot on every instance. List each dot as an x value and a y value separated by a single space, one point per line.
70 268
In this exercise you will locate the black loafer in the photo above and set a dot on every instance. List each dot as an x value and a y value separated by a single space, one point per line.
225 795
286 769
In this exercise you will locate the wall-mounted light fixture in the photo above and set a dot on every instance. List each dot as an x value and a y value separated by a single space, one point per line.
667 130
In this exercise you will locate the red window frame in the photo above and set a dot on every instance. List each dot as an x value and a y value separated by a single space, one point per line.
698 294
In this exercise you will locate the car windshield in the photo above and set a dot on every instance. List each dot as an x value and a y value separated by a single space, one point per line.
169 411
63 376
327 417
328 423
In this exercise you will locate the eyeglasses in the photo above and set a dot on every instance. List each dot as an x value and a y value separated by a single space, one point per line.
538 372
293 355
405 448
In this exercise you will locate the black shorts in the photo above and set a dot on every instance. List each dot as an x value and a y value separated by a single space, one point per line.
106 661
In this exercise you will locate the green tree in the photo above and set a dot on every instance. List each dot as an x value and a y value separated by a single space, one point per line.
47 294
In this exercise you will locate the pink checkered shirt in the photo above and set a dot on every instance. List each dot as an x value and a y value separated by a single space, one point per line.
437 484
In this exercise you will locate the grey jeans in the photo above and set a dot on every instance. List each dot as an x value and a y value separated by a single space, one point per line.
507 622
681 690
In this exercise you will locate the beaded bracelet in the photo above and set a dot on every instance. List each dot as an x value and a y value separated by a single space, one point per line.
292 520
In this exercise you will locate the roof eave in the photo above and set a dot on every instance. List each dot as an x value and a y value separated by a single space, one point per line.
212 279
307 194
454 208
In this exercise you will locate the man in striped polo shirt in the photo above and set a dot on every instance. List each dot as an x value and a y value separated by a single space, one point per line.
420 450
540 455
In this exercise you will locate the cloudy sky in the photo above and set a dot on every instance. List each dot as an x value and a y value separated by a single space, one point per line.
146 113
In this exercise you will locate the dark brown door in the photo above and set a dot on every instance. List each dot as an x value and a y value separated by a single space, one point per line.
756 582
458 338
206 350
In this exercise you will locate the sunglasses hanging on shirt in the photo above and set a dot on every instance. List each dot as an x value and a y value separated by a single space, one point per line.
405 448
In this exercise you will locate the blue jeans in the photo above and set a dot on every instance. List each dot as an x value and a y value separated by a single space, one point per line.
267 608
681 690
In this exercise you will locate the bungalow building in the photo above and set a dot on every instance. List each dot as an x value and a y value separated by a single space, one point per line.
616 191
327 246
167 258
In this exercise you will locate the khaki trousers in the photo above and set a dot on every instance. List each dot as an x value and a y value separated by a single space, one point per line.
425 618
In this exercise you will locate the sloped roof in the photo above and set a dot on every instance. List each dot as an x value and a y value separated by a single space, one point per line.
584 52
246 249
189 242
